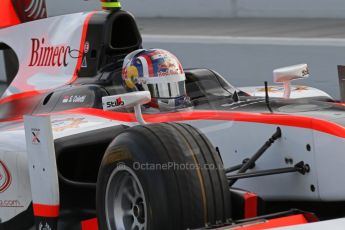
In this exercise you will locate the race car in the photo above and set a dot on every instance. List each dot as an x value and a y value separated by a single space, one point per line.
77 151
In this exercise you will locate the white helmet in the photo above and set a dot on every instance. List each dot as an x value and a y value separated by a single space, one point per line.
159 72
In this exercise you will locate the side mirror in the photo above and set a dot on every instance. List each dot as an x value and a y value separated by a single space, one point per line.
286 74
127 100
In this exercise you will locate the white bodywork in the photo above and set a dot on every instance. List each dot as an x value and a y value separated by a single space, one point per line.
326 158
17 197
36 73
27 40
277 91
240 140
41 161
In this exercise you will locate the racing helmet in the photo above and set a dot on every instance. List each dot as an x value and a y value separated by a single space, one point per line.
159 72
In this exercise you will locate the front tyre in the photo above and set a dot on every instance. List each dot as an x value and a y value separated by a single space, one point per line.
161 176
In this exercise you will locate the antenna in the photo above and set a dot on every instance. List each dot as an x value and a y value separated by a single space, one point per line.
235 97
267 98
341 76
112 5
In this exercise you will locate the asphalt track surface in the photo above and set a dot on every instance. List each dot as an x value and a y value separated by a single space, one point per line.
245 51
245 27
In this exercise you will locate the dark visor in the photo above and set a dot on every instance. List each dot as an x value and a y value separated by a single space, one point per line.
167 90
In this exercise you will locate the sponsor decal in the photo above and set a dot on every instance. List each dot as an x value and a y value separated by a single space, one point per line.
35 132
84 63
73 98
10 204
275 89
86 47
43 55
300 88
44 226
168 68
158 56
241 104
65 99
68 123
5 178
113 104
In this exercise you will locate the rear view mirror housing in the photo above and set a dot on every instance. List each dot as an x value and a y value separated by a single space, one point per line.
127 100
286 74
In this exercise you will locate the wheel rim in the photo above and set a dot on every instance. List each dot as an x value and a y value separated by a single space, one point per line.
125 203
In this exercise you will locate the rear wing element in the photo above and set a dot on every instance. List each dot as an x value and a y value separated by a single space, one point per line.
42 171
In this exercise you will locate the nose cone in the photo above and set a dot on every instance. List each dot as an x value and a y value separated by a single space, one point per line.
111 5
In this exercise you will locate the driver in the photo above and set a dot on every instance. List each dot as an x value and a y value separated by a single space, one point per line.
159 72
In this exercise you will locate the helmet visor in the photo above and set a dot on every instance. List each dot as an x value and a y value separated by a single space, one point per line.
167 90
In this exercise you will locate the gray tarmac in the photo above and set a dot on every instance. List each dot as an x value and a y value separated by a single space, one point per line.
245 51
245 27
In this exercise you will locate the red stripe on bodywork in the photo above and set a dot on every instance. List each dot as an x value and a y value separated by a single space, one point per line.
275 223
91 224
82 44
19 96
274 119
250 205
44 210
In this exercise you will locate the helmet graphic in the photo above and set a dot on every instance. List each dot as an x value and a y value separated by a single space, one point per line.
159 72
